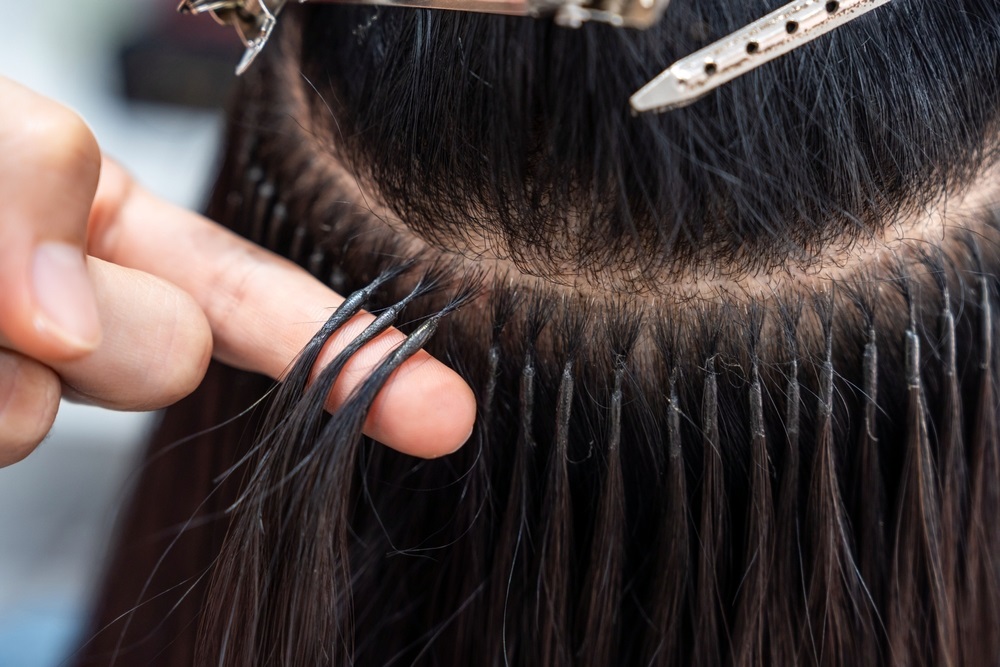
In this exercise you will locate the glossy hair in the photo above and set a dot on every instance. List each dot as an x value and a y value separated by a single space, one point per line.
519 132
806 475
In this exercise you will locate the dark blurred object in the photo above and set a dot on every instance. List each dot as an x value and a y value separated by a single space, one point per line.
180 60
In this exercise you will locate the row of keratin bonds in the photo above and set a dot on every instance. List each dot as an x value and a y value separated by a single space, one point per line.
632 476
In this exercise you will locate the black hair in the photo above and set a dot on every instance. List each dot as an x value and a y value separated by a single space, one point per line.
805 475
517 133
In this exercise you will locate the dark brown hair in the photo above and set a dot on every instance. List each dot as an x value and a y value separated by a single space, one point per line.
804 475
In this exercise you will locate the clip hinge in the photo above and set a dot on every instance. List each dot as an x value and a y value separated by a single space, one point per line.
253 20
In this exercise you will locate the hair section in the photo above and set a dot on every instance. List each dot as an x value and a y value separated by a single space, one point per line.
512 137
782 482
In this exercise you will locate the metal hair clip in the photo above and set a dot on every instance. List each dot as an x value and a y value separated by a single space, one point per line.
776 34
253 19
689 79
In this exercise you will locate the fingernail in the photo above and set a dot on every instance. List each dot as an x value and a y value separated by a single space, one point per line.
64 295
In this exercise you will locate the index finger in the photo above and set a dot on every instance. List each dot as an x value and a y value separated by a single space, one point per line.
263 310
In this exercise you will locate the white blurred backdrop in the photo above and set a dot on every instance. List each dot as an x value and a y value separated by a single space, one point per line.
58 507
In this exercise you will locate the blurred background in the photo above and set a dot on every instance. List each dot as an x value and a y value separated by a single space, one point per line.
150 84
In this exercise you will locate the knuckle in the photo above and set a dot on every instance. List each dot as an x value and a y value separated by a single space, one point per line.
63 142
114 188
235 276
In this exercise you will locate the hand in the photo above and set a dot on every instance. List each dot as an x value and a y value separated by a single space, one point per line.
112 296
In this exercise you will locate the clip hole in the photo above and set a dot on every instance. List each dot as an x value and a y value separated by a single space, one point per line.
832 7
753 47
711 68
792 27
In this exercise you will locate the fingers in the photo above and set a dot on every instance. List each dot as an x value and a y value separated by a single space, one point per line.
260 308
156 345
50 164
263 310
29 400
51 319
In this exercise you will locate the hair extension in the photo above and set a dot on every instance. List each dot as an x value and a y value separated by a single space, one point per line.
916 566
954 473
297 411
709 621
833 590
294 385
555 581
786 610
317 461
600 596
749 634
510 570
671 585
869 492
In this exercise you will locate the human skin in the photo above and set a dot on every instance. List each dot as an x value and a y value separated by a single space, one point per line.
114 297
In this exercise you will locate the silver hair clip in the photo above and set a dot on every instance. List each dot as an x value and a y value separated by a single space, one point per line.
687 80
771 37
253 20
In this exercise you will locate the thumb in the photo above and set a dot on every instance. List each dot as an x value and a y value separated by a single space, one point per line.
49 169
